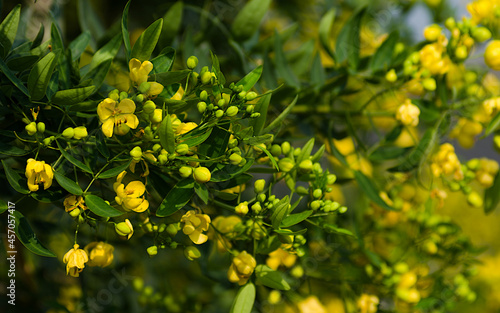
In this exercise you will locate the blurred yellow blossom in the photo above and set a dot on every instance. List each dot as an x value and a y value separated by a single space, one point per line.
120 115
280 257
242 268
483 10
408 113
38 172
368 303
465 132
311 304
432 58
445 162
75 260
100 253
194 226
72 202
223 231
185 127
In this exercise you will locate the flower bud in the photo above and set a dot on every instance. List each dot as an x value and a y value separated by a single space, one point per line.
40 127
31 128
156 116
136 153
256 208
68 133
306 165
432 32
202 175
317 193
206 78
250 96
429 84
114 94
75 213
182 149
242 208
185 171
152 251
232 111
450 23
194 78
162 158
149 107
250 108
461 53
80 132
315 205
259 185
192 253
475 199
219 113
122 129
255 115
202 106
204 95
221 103
301 190
285 147
124 229
391 76
330 179
123 95
275 150
172 230
492 55
192 62
235 159
144 87
481 34
286 165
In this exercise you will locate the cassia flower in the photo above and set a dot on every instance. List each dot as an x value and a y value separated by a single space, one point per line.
75 260
408 114
139 74
280 257
130 197
368 303
72 202
194 226
311 304
99 253
37 173
117 117
242 268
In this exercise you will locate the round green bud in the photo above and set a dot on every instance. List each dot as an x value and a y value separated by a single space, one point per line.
255 115
219 113
192 62
242 208
80 132
221 103
139 98
172 230
481 34
136 153
156 147
261 197
185 171
192 253
250 96
450 23
123 228
306 165
148 134
157 116
275 150
297 151
124 95
235 159
475 199
259 185
285 147
429 84
194 78
204 70
206 78
68 133
204 95
250 108
144 87
114 94
47 141
31 129
202 106
152 251
286 165
256 208
317 193
272 198
315 205
138 284
232 111
301 190
330 179
401 268
232 143
202 175
40 127
149 107
342 209
242 94
461 53
182 149
75 213
391 76
162 158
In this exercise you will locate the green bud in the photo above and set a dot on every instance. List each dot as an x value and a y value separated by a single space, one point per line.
219 113
286 165
202 175
259 185
429 84
75 213
124 228
401 268
149 107
48 141
261 197
204 95
156 147
475 199
152 251
481 34
139 98
172 230
342 209
275 150
31 129
330 179
202 106
242 208
285 147
114 94
221 103
136 153
250 96
194 78
185 171
124 95
80 132
256 208
315 205
242 94
250 108
450 23
192 62
461 53
68 133
192 253
232 111
297 151
144 87
232 143
255 115
317 193
301 190
391 76
40 127
235 159
138 284
306 166
182 149
206 78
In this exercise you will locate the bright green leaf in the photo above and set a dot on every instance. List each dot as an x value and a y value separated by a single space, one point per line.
177 198
8 30
146 43
268 277
68 184
40 75
245 298
99 207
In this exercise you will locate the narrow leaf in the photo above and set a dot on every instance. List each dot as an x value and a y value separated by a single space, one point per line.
177 198
69 185
348 41
279 212
492 195
40 76
28 238
296 218
19 184
13 78
245 298
370 190
268 277
146 43
73 160
251 78
8 30
125 33
114 171
99 207
279 120
167 136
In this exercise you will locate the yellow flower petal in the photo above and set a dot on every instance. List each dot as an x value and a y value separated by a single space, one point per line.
126 106
107 127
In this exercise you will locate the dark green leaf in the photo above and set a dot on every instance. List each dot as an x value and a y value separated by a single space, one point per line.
177 198
202 192
79 45
384 153
171 28
169 78
296 218
279 120
228 172
261 107
195 137
146 43
88 19
101 145
55 35
256 140
106 53
125 33
72 96
39 37
282 66
19 184
492 196
348 41
250 79
318 75
8 149
49 196
40 75
3 206
243 303
28 238
279 212
68 184
73 160
216 144
163 62
98 74
22 63
8 30
167 136
325 28
370 190
305 153
382 58
114 171
337 230
53 85
216 69
13 78
99 207
248 20
268 277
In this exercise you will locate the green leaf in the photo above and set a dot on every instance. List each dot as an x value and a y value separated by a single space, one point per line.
318 75
55 35
28 238
493 125
261 107
177 198
279 212
370 190
101 145
77 46
49 196
384 153
325 28
282 66
163 62
492 195
8 149
73 160
228 172
3 206
167 136
40 75
195 138
318 154
107 52
114 171
53 85
245 298
337 230
202 192
68 184
146 43
268 277
8 30
169 78
348 40
13 78
305 153
296 218
22 63
99 207
19 184
98 74
88 19
216 144
279 120
251 78
287 232
216 69
419 153
170 29
383 56
125 33
271 157
248 20
256 140
39 37
72 96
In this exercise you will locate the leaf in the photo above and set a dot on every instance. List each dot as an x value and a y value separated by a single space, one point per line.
101 145
271 157
348 41
279 120
98 74
248 20
39 37
8 30
177 198
256 140
261 107
170 29
77 46
72 96
146 43
40 75
167 136
55 35
114 171
250 79
8 149
419 153
53 85
370 190
325 28
305 153
492 195
279 212
3 206
383 56
287 232
384 153
202 192
169 78
318 154
13 78
125 33
216 69
245 298
163 62
106 53
337 230
14 179
268 277
99 207
232 171
28 238
318 76
216 144
281 63
73 160
193 140
49 196
22 63
88 19
493 125
69 185
296 218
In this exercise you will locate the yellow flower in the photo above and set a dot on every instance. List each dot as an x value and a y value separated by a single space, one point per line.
37 173
194 226
72 202
242 268
431 58
131 197
491 106
100 253
124 229
311 305
483 10
139 74
432 32
224 231
75 260
486 172
446 162
280 257
368 303
120 115
492 55
466 131
408 113
185 127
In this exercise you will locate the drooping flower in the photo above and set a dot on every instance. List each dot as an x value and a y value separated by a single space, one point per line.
117 117
130 197
37 173
72 202
194 226
242 268
75 260
100 253
124 229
